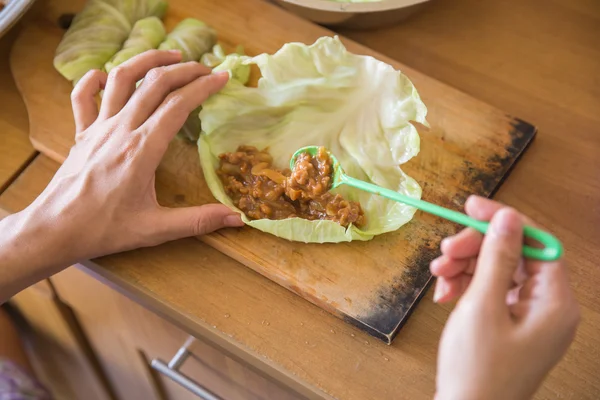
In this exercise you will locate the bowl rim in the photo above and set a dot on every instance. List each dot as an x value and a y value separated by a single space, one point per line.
346 7
12 13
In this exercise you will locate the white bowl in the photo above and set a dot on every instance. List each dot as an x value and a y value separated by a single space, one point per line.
368 15
12 13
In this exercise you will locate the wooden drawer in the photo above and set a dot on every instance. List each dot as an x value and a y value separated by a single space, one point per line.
127 337
58 351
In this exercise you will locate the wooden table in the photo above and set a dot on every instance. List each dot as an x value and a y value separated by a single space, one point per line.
538 60
15 149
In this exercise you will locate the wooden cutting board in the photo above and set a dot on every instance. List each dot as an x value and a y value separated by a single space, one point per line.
374 285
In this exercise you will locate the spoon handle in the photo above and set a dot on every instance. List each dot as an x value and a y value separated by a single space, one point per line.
552 247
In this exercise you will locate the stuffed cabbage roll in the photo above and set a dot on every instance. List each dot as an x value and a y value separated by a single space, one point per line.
134 10
146 34
192 37
98 32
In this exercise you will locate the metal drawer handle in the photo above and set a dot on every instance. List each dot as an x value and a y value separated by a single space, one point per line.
172 372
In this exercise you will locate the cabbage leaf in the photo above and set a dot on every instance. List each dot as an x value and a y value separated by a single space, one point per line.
218 60
358 107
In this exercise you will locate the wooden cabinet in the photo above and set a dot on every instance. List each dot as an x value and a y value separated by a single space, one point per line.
58 351
126 338
87 341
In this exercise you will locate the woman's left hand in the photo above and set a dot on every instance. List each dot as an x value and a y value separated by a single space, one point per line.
102 200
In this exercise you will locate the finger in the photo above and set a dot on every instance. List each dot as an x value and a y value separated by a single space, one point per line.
83 99
450 267
448 289
545 280
176 223
549 295
446 267
549 284
157 84
175 109
122 79
499 257
520 309
512 297
464 244
521 274
526 290
482 208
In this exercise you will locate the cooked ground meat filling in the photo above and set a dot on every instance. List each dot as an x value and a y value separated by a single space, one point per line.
262 191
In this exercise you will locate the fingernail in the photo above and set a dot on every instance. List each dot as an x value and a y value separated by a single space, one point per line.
440 290
470 199
233 221
506 222
444 244
434 264
174 51
222 73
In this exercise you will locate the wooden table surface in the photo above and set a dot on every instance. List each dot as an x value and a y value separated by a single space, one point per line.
15 149
535 59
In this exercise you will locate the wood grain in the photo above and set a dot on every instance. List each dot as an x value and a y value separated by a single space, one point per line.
111 317
374 285
16 150
541 60
256 321
195 286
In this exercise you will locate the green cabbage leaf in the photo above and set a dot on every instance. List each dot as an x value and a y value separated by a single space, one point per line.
219 61
358 107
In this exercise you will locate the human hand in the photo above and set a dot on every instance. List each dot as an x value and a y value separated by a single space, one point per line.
515 319
102 199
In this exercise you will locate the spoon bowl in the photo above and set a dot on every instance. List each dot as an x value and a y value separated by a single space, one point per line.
338 175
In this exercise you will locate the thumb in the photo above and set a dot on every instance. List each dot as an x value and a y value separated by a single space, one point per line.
196 221
499 257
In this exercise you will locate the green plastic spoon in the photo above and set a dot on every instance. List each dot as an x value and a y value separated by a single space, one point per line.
552 247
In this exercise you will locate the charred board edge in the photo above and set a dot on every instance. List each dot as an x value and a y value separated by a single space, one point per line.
522 134
398 298
377 323
388 338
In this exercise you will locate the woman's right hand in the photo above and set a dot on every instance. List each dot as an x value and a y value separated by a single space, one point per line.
515 318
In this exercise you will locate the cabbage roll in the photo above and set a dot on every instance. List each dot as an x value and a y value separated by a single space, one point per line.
134 10
192 37
98 32
146 34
